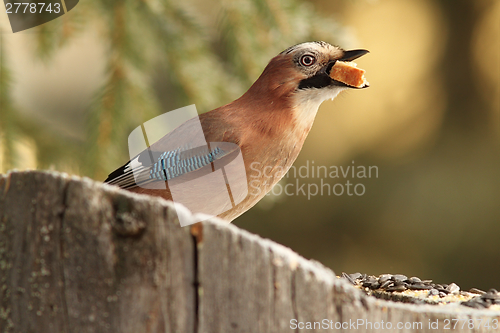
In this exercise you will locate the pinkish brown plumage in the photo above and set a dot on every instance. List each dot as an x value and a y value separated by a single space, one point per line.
269 124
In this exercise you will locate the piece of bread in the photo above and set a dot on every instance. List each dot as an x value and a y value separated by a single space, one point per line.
348 73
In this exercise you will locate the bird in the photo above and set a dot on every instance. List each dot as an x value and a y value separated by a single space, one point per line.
251 142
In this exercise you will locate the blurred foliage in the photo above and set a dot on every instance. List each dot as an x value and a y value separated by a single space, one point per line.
430 121
7 116
206 64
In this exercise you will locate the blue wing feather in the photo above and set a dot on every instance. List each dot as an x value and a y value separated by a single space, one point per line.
168 165
176 163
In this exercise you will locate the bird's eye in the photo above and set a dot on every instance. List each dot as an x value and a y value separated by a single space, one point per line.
307 60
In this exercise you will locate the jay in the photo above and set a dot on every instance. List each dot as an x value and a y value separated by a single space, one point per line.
252 141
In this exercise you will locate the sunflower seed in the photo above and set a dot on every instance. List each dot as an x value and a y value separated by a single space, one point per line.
399 277
433 292
398 288
419 286
414 279
453 288
477 291
384 277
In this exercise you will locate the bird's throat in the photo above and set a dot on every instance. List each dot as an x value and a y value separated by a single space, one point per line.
307 103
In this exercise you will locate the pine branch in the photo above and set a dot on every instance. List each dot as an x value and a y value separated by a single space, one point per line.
7 116
204 65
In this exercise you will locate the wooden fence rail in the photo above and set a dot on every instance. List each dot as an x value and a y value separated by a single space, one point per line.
80 256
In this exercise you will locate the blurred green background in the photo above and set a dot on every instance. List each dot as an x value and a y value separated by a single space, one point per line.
73 89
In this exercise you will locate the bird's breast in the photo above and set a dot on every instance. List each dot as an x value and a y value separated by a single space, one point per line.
268 158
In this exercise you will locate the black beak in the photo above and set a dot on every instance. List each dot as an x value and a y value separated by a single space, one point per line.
353 54
347 56
323 79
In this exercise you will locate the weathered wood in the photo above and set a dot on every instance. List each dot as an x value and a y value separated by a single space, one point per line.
80 256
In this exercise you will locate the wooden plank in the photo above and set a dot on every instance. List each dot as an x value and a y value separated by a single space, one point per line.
235 278
83 257
80 256
31 290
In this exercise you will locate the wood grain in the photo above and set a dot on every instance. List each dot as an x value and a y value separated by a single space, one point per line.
80 256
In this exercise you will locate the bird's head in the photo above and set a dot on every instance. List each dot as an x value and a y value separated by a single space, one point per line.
299 78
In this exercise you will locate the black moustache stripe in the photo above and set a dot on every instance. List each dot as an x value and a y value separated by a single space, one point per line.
318 81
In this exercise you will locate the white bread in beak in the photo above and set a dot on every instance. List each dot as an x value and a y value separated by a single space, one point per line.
349 73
